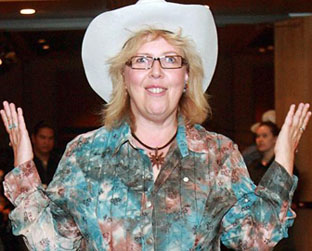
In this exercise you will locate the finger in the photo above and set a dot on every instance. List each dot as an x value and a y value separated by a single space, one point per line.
298 114
304 115
14 115
14 124
20 118
290 115
5 116
306 120
6 125
7 110
4 119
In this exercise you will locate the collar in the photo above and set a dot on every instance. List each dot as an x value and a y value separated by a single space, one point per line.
181 137
188 139
122 134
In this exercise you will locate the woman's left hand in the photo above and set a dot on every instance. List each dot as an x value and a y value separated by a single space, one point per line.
288 139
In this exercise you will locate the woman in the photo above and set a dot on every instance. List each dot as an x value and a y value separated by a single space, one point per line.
152 178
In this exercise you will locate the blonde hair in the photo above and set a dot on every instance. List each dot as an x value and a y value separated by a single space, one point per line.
193 105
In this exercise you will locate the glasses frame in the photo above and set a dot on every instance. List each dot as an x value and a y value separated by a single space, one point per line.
183 62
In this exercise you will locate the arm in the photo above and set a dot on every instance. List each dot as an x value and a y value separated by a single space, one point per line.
261 215
45 225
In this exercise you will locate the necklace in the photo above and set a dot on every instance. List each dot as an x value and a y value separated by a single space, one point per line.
156 158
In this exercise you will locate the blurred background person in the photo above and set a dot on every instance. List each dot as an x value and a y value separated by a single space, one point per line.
45 158
251 152
266 136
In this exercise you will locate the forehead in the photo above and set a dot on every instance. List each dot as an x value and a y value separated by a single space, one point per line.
157 46
263 129
46 131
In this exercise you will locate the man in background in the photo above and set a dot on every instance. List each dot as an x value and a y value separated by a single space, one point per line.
46 160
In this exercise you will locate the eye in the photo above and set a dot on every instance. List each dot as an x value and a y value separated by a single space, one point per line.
140 60
171 59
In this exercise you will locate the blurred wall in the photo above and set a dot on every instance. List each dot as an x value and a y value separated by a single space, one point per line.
293 84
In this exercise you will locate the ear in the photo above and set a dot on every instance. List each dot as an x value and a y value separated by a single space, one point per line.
275 139
186 77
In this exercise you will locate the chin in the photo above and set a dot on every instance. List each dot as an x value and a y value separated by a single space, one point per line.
157 112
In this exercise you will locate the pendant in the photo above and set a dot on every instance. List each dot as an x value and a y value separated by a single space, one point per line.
157 159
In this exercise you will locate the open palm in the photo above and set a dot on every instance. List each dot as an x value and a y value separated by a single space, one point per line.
14 123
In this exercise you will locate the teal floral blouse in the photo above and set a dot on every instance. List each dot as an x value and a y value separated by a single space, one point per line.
103 197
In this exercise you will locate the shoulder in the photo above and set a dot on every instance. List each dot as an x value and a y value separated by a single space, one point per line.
87 140
77 156
198 137
98 140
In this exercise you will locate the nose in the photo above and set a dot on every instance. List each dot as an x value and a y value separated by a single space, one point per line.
259 140
156 70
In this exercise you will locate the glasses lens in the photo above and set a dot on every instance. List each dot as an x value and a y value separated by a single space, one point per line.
141 62
171 62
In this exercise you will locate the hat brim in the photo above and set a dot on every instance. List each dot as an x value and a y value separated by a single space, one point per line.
108 32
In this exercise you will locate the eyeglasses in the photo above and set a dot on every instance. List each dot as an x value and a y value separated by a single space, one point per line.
166 62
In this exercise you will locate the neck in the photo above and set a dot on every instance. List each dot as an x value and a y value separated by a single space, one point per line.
155 134
42 156
267 156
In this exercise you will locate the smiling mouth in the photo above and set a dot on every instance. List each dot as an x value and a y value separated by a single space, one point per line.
156 90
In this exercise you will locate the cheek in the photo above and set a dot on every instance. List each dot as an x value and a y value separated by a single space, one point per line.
133 79
273 141
126 77
179 79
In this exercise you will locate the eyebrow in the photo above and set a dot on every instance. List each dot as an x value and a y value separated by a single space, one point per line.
163 54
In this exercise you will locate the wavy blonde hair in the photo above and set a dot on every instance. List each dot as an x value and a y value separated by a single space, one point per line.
193 105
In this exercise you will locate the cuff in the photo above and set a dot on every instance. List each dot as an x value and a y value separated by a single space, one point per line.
21 181
279 182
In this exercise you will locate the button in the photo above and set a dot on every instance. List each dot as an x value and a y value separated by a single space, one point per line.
148 204
186 179
246 200
149 241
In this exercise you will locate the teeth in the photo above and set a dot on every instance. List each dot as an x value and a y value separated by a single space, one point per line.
156 90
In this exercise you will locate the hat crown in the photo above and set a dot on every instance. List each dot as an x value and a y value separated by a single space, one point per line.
150 1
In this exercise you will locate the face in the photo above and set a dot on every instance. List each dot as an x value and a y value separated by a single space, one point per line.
155 93
43 141
265 139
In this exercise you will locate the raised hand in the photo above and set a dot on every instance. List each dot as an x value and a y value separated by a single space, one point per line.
14 123
288 139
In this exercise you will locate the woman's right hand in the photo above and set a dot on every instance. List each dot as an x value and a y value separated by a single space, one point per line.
14 124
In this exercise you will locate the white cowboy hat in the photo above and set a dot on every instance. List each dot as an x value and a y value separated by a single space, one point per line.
108 32
269 115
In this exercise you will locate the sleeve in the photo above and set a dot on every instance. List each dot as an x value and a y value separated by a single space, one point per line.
261 215
41 216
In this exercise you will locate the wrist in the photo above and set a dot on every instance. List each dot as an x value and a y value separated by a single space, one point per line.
287 163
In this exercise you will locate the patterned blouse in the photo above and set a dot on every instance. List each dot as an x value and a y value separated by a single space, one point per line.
103 197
